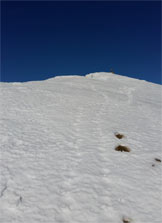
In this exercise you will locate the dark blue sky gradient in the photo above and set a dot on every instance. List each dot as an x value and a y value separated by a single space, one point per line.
44 39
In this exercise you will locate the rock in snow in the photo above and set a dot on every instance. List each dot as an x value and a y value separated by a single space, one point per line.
61 159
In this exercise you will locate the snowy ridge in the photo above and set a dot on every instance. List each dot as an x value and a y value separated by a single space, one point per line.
116 77
60 157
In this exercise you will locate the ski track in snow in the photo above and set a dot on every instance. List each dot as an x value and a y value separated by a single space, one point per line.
58 161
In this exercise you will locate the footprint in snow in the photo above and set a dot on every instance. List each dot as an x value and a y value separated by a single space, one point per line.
19 201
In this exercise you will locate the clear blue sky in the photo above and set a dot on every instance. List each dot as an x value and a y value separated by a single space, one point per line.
44 39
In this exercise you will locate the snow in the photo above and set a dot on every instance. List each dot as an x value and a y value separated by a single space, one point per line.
58 162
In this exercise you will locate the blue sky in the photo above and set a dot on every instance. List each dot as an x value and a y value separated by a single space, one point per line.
42 39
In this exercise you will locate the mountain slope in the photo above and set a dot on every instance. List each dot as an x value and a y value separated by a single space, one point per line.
58 160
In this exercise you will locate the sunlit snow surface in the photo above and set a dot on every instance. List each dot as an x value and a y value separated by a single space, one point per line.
58 162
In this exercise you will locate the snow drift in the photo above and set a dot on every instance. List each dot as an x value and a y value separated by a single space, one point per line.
81 149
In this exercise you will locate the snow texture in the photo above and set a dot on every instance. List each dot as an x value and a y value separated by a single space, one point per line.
58 162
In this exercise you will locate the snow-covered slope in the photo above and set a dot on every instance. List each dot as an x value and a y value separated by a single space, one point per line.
58 162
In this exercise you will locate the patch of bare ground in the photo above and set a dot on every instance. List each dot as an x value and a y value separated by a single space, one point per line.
122 148
126 220
119 136
158 160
